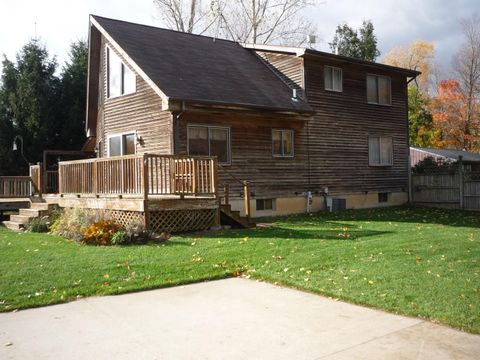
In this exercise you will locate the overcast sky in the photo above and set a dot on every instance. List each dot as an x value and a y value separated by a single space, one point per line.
397 22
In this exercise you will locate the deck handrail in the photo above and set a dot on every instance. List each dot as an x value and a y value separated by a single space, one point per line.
140 175
15 186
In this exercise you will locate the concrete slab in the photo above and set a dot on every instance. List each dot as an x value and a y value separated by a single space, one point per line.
226 319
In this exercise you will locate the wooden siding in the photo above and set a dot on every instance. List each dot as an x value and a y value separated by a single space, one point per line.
251 154
341 127
288 67
138 112
333 145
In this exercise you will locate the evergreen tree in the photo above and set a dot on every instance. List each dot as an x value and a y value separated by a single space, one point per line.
29 97
74 96
347 42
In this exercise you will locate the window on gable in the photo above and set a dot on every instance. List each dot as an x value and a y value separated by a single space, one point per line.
121 80
282 143
209 140
121 145
379 90
380 151
333 78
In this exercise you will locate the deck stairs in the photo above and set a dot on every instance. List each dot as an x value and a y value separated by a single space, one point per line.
36 210
233 218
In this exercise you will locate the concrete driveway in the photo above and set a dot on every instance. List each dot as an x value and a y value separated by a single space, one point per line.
226 319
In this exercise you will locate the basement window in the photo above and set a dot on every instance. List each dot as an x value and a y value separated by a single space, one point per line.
265 204
120 79
383 197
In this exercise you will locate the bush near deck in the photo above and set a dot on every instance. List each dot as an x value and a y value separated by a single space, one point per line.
419 262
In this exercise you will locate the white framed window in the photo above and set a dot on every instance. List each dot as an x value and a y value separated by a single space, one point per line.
380 150
333 78
121 144
209 140
379 89
282 143
120 79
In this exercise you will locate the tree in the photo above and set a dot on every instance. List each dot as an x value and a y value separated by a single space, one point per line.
29 97
420 56
74 96
451 116
420 120
467 67
347 42
253 21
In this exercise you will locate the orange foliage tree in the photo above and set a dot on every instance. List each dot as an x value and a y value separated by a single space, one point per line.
451 114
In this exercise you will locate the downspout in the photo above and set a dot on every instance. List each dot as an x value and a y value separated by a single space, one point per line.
176 130
409 164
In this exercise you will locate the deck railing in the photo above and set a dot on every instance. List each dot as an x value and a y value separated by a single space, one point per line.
15 186
140 175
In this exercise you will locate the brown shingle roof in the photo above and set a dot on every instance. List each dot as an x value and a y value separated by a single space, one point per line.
199 68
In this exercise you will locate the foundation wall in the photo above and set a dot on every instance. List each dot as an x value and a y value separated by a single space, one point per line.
298 205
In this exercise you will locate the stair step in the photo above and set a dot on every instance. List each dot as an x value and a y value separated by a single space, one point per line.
21 219
43 206
33 212
13 225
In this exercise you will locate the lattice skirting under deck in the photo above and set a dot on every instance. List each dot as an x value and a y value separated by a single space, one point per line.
174 221
171 221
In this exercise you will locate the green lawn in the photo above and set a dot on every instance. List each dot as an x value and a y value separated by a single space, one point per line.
418 262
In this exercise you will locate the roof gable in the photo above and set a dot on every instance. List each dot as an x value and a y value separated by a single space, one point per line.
198 68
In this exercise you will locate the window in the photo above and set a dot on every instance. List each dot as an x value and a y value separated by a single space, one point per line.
121 80
121 145
383 197
333 78
209 140
379 90
380 151
282 143
265 204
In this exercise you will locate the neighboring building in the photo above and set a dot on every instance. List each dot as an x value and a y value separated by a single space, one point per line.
469 159
288 120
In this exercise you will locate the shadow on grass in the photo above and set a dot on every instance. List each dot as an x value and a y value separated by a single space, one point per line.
399 214
327 231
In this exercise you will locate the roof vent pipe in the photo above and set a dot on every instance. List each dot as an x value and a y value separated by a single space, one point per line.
294 95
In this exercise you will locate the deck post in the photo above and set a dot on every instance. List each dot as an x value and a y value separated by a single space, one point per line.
215 186
146 213
226 194
40 179
246 192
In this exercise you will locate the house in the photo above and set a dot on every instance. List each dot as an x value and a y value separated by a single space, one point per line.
470 160
270 130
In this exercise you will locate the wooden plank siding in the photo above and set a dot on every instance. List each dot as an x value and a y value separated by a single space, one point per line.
288 67
341 127
251 154
139 112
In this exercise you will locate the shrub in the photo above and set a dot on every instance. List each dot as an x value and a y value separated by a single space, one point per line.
100 232
38 225
431 166
72 222
119 238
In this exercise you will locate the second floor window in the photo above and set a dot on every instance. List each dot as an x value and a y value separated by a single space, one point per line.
120 79
333 78
379 90
282 143
209 140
